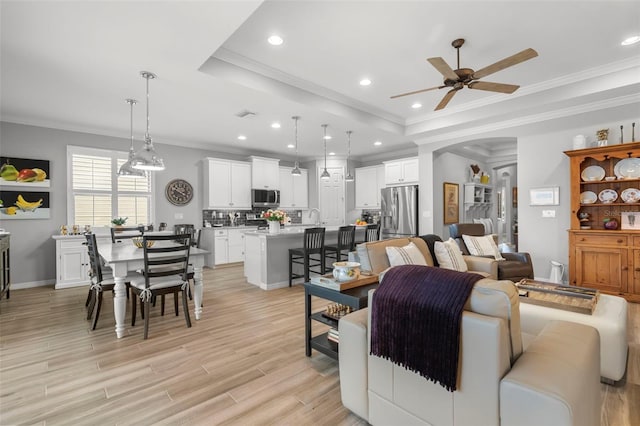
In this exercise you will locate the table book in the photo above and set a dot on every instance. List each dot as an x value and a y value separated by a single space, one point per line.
329 282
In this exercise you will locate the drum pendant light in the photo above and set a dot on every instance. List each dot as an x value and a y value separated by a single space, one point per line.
126 169
147 158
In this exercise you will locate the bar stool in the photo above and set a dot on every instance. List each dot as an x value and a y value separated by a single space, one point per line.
346 243
313 245
371 233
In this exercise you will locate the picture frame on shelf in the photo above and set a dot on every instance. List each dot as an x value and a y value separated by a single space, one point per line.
451 203
630 220
547 196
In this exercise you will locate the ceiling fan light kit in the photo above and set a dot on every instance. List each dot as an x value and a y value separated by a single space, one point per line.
460 77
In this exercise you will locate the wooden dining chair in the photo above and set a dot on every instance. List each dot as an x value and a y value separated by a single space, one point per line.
305 256
345 244
165 272
126 232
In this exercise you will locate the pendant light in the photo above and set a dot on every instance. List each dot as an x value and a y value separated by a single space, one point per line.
325 173
349 177
126 169
147 158
296 169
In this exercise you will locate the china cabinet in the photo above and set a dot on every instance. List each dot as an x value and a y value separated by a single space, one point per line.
369 181
265 173
604 181
227 184
401 172
294 190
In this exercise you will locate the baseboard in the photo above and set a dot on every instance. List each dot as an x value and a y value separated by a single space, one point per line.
31 284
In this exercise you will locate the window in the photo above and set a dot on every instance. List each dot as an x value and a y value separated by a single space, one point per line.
98 194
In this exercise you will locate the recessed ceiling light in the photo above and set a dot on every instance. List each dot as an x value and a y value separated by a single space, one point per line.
332 153
275 40
365 82
291 146
630 40
242 137
275 125
327 137
377 143
416 105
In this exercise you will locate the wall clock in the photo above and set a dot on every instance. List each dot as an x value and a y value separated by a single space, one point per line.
179 192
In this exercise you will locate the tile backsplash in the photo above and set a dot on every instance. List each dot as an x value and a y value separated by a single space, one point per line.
221 217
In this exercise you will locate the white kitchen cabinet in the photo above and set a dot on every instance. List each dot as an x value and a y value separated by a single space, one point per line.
265 173
294 190
369 181
401 172
72 261
236 245
227 184
221 246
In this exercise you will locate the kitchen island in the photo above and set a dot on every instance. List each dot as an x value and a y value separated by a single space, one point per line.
266 256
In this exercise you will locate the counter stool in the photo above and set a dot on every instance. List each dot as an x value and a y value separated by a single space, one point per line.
313 245
346 243
371 233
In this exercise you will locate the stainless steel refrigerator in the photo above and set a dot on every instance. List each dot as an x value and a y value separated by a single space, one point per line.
399 211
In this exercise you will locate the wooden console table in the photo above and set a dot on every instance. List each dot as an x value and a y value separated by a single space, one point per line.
356 298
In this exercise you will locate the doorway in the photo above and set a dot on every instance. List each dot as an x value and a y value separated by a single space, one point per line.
332 210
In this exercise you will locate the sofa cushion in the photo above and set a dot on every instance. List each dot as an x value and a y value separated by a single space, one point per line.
373 255
449 255
482 246
407 255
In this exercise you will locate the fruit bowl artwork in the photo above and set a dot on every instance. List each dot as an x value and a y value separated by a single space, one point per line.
27 206
138 242
346 271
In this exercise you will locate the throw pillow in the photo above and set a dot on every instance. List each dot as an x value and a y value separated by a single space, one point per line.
407 255
482 246
449 255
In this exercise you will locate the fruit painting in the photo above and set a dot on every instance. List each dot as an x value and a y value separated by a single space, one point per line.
25 173
24 205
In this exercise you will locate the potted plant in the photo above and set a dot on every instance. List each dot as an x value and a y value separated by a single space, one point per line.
119 221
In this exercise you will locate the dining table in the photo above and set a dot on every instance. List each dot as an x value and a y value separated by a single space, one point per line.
124 257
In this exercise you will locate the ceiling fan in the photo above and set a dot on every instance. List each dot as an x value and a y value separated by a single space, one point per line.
461 77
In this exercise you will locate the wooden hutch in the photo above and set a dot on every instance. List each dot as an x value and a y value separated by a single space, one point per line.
606 259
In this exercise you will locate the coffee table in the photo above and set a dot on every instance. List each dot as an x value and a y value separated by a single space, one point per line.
609 318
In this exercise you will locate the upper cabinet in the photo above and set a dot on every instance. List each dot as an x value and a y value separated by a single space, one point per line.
369 181
227 184
265 173
294 190
401 172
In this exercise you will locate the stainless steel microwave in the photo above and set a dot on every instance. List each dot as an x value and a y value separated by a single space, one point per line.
265 198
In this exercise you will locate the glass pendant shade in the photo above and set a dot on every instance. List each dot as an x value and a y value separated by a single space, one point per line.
126 169
349 177
325 173
296 168
147 158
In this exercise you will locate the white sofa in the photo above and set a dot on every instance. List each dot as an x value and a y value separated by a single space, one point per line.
555 381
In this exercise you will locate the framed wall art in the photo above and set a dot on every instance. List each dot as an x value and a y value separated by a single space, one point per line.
451 203
24 205
549 196
24 173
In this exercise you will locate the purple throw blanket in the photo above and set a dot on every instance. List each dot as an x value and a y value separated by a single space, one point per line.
416 314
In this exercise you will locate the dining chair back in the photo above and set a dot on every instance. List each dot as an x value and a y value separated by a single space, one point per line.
311 255
166 259
126 232
372 233
345 244
99 282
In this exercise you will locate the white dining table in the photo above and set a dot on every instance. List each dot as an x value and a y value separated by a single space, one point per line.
125 257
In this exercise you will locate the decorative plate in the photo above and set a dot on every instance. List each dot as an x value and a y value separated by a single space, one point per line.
630 195
629 168
608 196
588 197
592 173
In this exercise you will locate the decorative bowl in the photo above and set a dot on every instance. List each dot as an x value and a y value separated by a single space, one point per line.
138 242
346 271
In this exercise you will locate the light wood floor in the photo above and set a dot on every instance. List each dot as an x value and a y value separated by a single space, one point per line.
243 363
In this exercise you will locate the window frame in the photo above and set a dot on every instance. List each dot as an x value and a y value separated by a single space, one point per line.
115 156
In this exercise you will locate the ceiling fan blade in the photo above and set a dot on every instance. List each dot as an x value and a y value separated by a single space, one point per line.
493 87
525 55
416 91
443 68
443 103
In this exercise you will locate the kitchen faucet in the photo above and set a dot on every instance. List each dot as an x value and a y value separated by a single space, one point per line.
317 216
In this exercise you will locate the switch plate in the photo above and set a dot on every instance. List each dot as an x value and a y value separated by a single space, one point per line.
548 213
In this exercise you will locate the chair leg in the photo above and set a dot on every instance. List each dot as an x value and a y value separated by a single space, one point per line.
175 302
92 304
134 305
185 308
162 306
146 320
142 313
323 263
89 294
306 268
96 314
290 269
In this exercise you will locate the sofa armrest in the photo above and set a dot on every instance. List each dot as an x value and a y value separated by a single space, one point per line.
482 264
353 354
520 257
556 380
